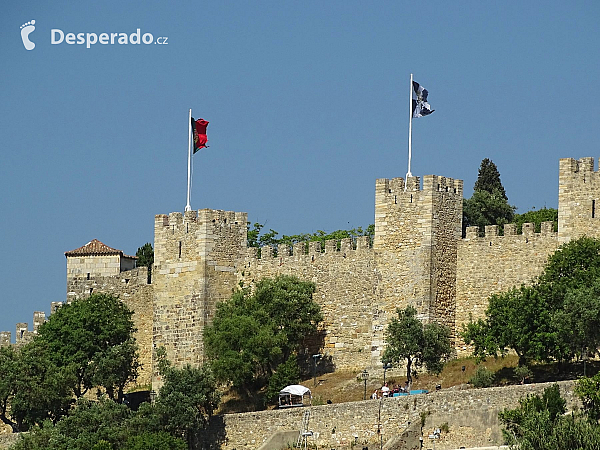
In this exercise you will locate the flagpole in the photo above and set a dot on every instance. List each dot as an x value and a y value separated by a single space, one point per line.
189 178
408 174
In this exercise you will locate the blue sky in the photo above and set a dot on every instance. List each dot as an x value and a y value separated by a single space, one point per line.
307 103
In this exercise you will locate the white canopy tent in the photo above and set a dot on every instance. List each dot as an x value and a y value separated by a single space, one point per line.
294 395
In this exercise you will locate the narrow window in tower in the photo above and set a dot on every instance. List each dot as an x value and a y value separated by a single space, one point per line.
180 249
410 194
395 200
593 208
88 276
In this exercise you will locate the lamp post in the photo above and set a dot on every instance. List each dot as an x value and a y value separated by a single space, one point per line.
386 366
365 376
315 357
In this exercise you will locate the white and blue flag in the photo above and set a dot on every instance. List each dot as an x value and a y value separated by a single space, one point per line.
420 107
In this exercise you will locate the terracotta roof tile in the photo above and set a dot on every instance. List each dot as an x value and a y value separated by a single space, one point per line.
95 247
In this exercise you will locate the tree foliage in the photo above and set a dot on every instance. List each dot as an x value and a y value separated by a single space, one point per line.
539 423
145 255
489 204
186 400
93 337
488 179
537 217
588 389
255 331
408 340
256 239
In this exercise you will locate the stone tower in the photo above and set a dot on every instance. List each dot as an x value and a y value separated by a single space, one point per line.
578 199
195 261
416 236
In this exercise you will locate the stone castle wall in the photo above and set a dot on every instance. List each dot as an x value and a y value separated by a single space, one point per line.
472 417
493 264
345 288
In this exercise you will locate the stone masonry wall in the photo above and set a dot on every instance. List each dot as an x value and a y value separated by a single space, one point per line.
472 417
100 265
416 234
345 282
493 264
578 199
133 289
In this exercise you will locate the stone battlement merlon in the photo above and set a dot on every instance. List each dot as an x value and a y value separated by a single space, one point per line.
436 183
510 229
571 165
299 249
179 222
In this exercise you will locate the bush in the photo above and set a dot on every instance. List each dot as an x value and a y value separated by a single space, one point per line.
483 378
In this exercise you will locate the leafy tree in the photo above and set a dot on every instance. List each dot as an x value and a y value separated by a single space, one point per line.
32 388
145 255
255 331
187 400
588 389
255 239
408 340
489 204
287 373
482 378
484 208
520 319
537 217
91 337
488 179
539 423
99 425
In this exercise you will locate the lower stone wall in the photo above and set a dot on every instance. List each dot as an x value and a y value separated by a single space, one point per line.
472 417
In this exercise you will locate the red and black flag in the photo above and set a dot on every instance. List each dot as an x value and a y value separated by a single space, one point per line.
199 133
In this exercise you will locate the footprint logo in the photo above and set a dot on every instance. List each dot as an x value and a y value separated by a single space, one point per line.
26 30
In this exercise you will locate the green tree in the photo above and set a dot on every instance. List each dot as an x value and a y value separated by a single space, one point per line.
588 389
556 318
539 423
187 400
489 204
488 179
520 319
145 256
91 337
255 331
408 340
287 373
537 217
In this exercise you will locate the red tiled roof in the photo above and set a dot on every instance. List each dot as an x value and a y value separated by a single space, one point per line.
95 247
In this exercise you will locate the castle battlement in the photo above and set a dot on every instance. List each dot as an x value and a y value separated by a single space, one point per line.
572 166
510 229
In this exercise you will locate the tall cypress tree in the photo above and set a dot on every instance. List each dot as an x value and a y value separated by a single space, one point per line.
489 179
489 204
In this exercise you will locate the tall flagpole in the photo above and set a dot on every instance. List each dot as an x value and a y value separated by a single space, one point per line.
408 174
187 206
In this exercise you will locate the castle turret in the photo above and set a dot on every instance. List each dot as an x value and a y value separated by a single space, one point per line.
578 199
195 258
416 235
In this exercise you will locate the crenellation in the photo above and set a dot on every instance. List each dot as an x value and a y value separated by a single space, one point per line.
547 228
283 250
528 229
346 245
266 252
330 246
314 248
363 243
510 229
298 249
472 232
491 230
5 338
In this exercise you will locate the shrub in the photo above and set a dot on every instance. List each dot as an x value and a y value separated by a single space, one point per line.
483 378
